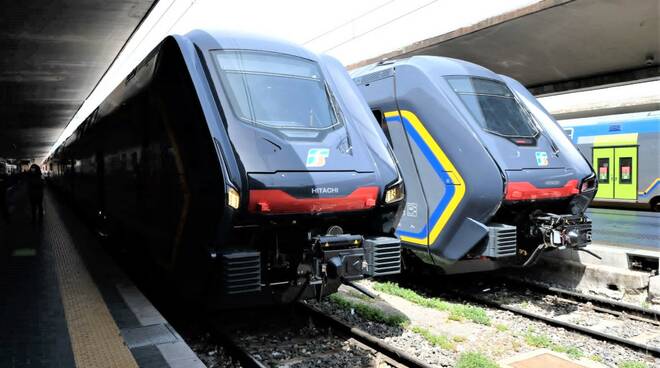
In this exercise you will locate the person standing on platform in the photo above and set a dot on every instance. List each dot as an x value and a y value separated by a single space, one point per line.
4 206
35 186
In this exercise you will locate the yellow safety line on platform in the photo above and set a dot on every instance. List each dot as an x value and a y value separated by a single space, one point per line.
95 338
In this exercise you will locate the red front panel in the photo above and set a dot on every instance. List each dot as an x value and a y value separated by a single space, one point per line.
275 201
520 191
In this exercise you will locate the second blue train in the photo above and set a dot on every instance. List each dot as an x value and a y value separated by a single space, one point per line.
490 177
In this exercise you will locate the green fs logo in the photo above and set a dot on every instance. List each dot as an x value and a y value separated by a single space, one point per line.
316 157
542 158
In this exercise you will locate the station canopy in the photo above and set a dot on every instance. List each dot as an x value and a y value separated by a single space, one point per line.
557 45
53 54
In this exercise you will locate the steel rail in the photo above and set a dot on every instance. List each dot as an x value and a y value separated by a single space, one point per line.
613 312
593 299
389 354
399 356
652 350
235 350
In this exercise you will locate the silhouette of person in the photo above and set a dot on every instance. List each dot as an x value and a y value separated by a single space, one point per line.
4 207
35 186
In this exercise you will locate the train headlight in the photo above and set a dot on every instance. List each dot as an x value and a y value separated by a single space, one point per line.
394 193
588 184
233 198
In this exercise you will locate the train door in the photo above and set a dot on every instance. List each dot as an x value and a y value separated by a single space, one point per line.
412 226
616 168
625 173
603 162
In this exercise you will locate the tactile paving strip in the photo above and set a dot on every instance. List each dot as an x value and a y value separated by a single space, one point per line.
95 338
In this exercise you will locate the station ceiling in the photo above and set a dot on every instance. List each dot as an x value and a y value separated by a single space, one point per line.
557 45
53 54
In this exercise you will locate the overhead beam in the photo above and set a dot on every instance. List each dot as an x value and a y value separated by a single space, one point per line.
556 46
420 47
598 81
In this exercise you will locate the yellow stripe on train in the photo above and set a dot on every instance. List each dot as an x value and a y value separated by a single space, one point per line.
447 165
648 189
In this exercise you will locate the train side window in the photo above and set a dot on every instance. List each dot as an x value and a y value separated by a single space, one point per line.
383 125
625 170
604 170
569 132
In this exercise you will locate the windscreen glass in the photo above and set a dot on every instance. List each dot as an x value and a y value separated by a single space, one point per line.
493 106
276 90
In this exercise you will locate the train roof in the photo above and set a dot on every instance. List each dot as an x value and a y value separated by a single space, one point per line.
206 40
232 40
436 65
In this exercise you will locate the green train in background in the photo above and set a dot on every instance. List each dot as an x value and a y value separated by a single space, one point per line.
624 151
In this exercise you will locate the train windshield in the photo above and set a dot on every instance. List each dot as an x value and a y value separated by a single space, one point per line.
493 106
276 90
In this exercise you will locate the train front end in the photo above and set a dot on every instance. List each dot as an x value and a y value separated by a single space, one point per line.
318 192
548 184
491 179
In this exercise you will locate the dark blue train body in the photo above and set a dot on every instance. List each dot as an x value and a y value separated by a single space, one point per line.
251 169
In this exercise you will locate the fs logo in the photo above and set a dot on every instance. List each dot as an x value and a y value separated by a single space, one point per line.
316 157
542 158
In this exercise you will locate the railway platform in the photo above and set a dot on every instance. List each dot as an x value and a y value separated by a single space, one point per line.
65 303
625 228
627 244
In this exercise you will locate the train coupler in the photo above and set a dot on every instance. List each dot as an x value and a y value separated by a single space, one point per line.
559 232
340 256
563 231
352 257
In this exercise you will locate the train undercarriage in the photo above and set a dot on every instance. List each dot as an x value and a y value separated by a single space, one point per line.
520 233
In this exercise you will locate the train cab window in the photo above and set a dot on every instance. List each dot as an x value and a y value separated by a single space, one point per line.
276 90
493 106
604 170
625 170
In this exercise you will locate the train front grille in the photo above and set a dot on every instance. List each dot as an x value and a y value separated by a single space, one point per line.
241 272
502 241
383 256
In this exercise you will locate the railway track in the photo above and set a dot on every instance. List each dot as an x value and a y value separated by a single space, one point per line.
607 304
308 338
621 323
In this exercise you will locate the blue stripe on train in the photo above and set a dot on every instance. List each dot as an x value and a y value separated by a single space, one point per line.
437 167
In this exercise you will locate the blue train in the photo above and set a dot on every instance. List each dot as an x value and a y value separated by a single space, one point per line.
250 169
491 180
624 151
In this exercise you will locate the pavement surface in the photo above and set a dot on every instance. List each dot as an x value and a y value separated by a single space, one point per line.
64 303
629 228
33 328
